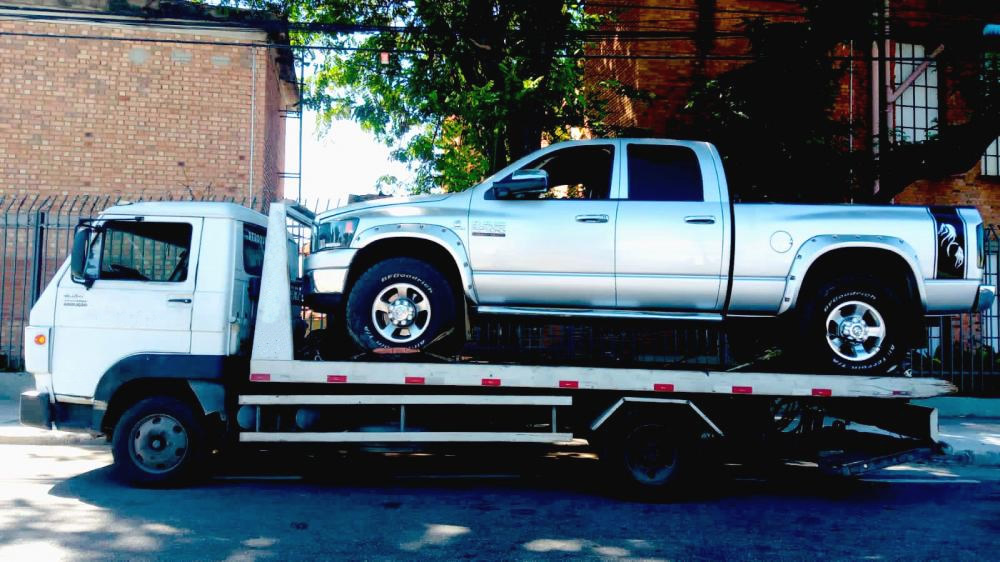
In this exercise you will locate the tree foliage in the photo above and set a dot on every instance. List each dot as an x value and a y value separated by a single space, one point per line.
773 119
467 86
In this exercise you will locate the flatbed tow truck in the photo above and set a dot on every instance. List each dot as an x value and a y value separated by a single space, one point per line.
166 412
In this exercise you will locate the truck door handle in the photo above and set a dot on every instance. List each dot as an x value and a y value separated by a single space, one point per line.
592 218
700 219
182 301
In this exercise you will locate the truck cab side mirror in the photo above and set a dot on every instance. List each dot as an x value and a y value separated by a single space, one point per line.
81 268
522 182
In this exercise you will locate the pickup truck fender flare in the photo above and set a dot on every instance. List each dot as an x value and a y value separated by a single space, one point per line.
442 236
817 246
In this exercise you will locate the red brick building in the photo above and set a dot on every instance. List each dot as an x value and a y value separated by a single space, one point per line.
147 99
710 40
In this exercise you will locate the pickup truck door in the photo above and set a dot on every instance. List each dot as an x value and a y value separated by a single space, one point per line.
553 249
670 233
141 302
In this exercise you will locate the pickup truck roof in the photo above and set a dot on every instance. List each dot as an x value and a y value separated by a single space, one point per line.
209 209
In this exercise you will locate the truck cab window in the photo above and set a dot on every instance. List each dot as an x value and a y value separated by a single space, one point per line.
579 172
663 173
253 249
145 251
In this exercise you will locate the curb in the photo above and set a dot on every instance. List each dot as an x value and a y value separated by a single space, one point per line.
18 435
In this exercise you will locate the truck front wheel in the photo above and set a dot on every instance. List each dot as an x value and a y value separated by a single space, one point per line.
402 303
160 441
854 324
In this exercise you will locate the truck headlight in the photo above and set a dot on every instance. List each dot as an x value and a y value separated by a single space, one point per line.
335 234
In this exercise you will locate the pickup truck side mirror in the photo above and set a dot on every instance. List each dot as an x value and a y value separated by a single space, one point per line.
522 181
82 271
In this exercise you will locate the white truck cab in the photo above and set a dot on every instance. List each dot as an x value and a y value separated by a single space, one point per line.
164 287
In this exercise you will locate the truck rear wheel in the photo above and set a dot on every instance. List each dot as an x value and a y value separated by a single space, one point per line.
402 303
854 324
160 441
646 458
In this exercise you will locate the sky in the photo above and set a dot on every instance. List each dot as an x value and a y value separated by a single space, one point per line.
344 161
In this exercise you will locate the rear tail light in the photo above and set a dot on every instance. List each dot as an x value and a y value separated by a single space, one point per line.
980 246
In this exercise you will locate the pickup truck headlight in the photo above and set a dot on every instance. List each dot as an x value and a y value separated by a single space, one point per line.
335 234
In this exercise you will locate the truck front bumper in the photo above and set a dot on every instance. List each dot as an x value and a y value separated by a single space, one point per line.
36 411
326 272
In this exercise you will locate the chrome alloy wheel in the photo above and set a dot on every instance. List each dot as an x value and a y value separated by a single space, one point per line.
159 443
855 331
401 312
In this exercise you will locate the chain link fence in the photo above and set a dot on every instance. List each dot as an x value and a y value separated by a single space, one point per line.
37 234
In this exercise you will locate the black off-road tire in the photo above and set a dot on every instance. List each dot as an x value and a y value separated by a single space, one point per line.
193 459
812 343
442 330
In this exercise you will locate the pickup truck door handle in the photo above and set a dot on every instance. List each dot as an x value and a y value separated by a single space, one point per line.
592 218
182 301
700 219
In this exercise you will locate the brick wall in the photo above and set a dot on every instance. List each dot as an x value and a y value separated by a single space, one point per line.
721 22
95 117
100 119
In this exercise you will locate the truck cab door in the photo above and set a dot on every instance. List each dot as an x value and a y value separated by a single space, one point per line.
670 238
554 248
140 302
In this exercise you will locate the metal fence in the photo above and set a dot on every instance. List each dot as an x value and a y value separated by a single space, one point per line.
37 234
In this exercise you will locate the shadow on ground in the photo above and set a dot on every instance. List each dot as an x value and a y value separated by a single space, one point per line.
471 504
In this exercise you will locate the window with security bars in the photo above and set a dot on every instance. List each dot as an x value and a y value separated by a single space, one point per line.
915 111
990 165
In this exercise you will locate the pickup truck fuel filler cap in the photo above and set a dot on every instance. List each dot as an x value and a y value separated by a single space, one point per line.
781 241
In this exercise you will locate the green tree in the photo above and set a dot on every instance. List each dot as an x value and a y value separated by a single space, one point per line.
463 88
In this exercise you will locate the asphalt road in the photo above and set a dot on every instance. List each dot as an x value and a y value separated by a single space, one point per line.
59 502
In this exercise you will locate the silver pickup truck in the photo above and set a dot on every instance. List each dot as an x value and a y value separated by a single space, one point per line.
645 229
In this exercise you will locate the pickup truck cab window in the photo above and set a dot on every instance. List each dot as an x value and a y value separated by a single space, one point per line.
555 247
579 172
145 251
663 173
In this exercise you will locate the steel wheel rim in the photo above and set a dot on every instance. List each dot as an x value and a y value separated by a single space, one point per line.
855 331
649 456
158 444
401 312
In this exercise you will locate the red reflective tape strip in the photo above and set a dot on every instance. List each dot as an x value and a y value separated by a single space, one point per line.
491 382
260 377
569 384
336 378
663 387
414 380
742 390
822 392
394 350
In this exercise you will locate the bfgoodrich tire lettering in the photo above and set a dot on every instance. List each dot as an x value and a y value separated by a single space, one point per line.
401 303
854 325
